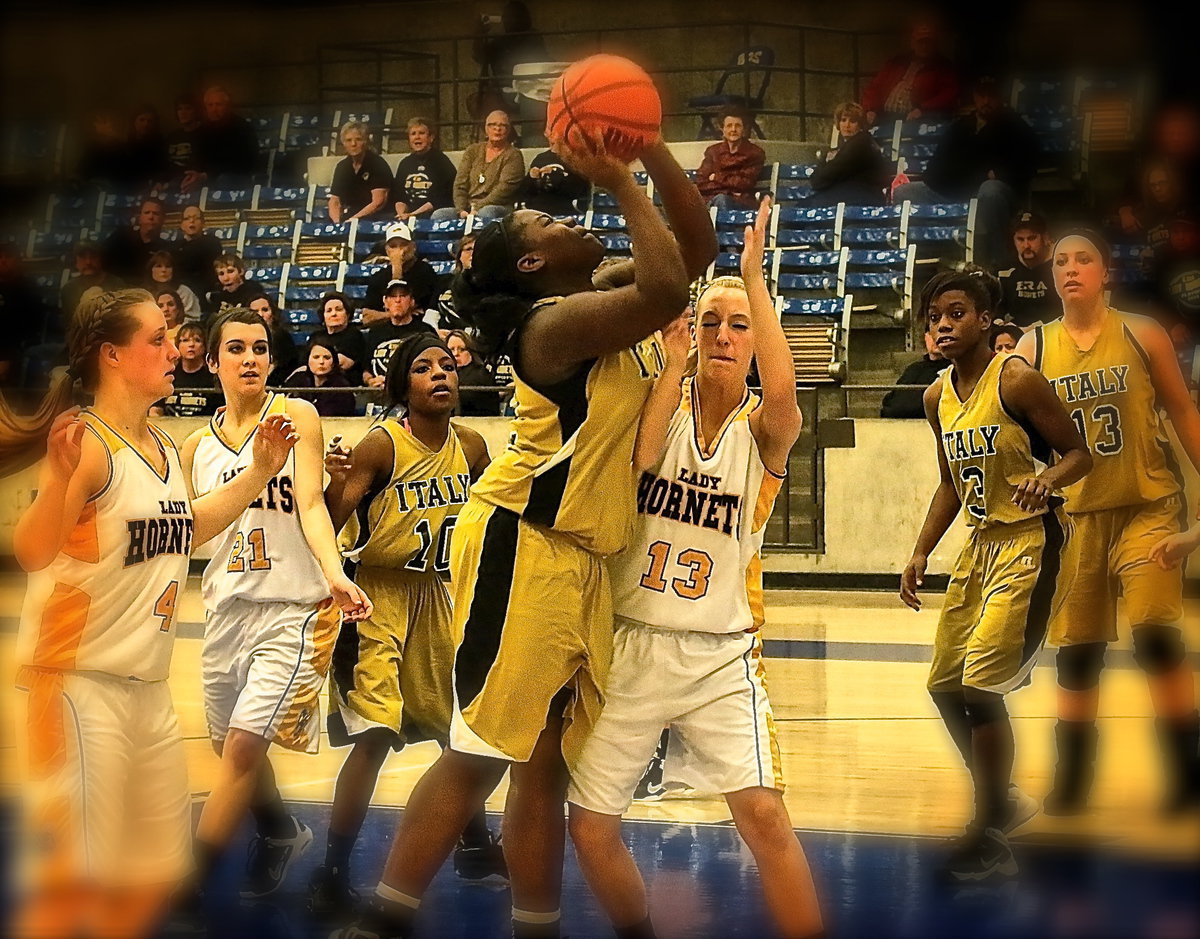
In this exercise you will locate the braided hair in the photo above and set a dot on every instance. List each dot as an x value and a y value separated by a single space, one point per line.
491 295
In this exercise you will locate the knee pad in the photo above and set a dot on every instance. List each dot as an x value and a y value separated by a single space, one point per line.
1079 666
1158 649
984 707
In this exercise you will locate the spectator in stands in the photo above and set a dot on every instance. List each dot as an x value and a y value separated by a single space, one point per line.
403 320
908 403
1005 337
915 84
1174 146
489 173
362 180
472 372
234 289
462 251
285 357
498 54
551 186
1028 287
103 158
226 146
855 171
196 252
729 172
160 273
338 332
172 310
181 142
1162 197
989 155
127 250
1175 276
195 393
403 264
24 319
424 178
322 371
147 151
89 272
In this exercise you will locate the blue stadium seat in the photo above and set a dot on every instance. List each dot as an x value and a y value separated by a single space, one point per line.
302 318
875 225
949 226
796 227
832 307
798 271
227 198
882 281
617 243
450 227
115 209
303 131
602 222
430 248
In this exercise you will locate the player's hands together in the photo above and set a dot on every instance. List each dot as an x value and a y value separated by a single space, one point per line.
64 444
912 579
350 598
1170 551
273 442
337 458
586 155
1032 494
755 244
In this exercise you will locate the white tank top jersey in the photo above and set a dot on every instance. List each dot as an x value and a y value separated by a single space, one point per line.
694 560
262 556
107 602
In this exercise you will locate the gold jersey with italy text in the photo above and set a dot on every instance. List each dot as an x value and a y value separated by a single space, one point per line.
569 461
989 450
407 523
1109 394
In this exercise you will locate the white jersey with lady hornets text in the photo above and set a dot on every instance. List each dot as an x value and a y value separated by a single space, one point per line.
263 555
693 561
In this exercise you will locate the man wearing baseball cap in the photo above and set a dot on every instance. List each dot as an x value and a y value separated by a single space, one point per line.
1029 296
403 264
403 320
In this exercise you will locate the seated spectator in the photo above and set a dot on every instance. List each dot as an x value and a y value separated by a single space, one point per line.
1174 146
362 180
728 174
472 372
989 155
285 357
338 332
916 84
181 142
25 317
127 250
424 180
403 264
321 370
89 272
403 320
909 403
855 171
1028 288
234 289
1005 337
160 271
489 174
195 393
226 146
147 151
463 251
172 310
196 252
551 187
1162 197
103 157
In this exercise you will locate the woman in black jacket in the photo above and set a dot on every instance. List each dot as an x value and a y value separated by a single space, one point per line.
854 171
471 371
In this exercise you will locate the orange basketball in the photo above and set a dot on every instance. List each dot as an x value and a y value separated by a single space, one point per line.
609 97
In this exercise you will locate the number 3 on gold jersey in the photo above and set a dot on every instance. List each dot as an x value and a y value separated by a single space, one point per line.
1110 440
259 561
972 477
698 565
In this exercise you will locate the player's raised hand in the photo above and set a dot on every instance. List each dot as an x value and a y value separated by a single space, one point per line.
273 441
64 443
912 580
350 598
677 337
1032 494
1170 551
337 458
755 244
586 155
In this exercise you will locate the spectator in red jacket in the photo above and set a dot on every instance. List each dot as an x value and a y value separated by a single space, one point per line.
730 168
914 84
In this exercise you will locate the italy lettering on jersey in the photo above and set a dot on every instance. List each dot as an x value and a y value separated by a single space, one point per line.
1109 393
693 561
263 556
407 523
107 602
988 450
568 465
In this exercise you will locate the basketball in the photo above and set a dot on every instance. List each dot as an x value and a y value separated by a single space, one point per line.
610 97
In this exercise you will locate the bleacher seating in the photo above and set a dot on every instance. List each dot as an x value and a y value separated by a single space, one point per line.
323 242
818 333
941 228
817 228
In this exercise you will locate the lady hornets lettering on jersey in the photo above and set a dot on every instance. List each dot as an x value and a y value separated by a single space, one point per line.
263 556
407 524
1109 394
990 453
694 560
107 602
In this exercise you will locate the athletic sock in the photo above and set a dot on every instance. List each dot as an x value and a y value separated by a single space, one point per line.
337 853
272 820
642 930
476 833
205 858
526 925
1073 774
390 913
1180 738
952 706
992 772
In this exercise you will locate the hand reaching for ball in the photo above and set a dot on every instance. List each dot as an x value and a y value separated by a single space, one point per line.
586 155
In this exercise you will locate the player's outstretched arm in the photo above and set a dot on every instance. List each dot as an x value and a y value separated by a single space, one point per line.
686 212
1170 386
776 424
368 468
663 400
943 509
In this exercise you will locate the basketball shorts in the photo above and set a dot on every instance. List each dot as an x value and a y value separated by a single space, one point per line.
264 665
105 796
710 688
1006 585
392 671
1115 554
532 615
